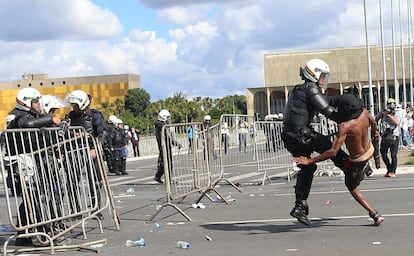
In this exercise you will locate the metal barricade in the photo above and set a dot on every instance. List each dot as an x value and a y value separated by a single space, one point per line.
272 156
52 184
237 147
212 154
190 165
271 153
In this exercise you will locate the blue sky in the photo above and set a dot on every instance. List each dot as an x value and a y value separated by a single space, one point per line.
208 48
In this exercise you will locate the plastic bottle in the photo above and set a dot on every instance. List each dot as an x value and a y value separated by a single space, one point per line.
139 243
183 245
158 225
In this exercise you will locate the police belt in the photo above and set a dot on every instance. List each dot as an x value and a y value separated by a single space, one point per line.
295 129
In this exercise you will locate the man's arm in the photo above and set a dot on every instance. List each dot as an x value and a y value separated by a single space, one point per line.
373 124
336 146
375 139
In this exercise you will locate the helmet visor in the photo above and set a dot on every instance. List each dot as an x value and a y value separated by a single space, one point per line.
323 80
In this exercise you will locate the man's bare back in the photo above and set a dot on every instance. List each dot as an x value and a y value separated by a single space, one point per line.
357 139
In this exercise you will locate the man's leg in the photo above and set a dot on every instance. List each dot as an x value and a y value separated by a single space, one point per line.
394 152
353 177
385 145
356 193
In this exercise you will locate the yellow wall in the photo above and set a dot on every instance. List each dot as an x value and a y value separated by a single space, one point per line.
100 93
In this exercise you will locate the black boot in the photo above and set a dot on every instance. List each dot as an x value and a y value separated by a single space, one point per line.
26 241
300 212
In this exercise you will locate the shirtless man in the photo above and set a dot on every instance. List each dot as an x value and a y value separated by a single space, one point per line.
353 130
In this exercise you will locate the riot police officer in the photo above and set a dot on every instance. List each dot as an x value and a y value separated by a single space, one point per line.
304 102
164 117
92 121
109 130
119 148
26 114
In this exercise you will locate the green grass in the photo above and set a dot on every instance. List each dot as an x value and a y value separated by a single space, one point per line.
410 161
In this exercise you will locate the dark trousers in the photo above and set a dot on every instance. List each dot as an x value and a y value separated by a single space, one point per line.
160 164
225 141
390 144
135 147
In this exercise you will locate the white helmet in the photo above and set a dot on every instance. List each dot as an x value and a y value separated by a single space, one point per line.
207 118
79 98
119 121
49 102
126 127
315 69
164 115
280 116
112 119
25 97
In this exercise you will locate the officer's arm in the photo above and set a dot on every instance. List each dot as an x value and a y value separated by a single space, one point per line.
100 131
39 122
321 104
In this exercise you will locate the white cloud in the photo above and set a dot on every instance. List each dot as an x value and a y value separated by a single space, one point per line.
40 20
170 3
180 16
194 41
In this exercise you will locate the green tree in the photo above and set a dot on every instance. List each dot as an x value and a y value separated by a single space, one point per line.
137 101
240 103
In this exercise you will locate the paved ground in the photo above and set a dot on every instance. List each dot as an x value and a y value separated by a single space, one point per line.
257 220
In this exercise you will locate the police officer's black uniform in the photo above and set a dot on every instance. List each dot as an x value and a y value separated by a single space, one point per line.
169 142
23 119
305 101
119 152
93 122
107 146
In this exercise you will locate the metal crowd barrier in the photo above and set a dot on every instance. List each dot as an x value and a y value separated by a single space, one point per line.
52 185
264 149
191 168
272 156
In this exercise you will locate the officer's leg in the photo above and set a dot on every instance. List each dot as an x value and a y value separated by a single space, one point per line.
304 182
110 160
302 190
160 169
304 179
123 166
117 162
